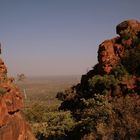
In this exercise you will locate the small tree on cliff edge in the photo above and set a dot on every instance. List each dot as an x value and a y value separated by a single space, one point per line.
21 77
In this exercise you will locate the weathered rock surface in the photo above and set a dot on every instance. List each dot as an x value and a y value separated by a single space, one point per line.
111 51
109 54
12 124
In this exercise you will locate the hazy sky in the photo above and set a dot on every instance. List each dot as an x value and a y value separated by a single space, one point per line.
58 37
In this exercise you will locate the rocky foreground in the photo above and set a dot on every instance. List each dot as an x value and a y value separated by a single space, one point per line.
12 124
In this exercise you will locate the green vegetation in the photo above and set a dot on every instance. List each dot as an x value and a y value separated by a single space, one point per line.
131 61
119 72
56 124
101 84
41 107
47 122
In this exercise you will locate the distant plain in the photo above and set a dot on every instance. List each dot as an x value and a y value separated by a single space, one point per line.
43 90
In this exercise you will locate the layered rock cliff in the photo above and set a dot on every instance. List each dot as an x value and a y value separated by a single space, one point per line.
12 124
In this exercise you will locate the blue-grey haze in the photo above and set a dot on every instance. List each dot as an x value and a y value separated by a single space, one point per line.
58 37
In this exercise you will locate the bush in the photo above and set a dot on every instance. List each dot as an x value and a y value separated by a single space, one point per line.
97 111
61 96
118 118
56 125
101 84
119 72
47 123
131 61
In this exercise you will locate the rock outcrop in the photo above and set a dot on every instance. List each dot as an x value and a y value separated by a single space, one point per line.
109 55
128 28
12 124
107 100
117 70
112 52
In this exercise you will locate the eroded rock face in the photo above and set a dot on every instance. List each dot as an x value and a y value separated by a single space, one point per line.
12 124
111 51
108 55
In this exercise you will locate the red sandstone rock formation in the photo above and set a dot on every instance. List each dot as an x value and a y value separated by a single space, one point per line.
111 51
109 55
12 124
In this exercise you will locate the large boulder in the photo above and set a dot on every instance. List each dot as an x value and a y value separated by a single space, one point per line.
128 28
111 52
